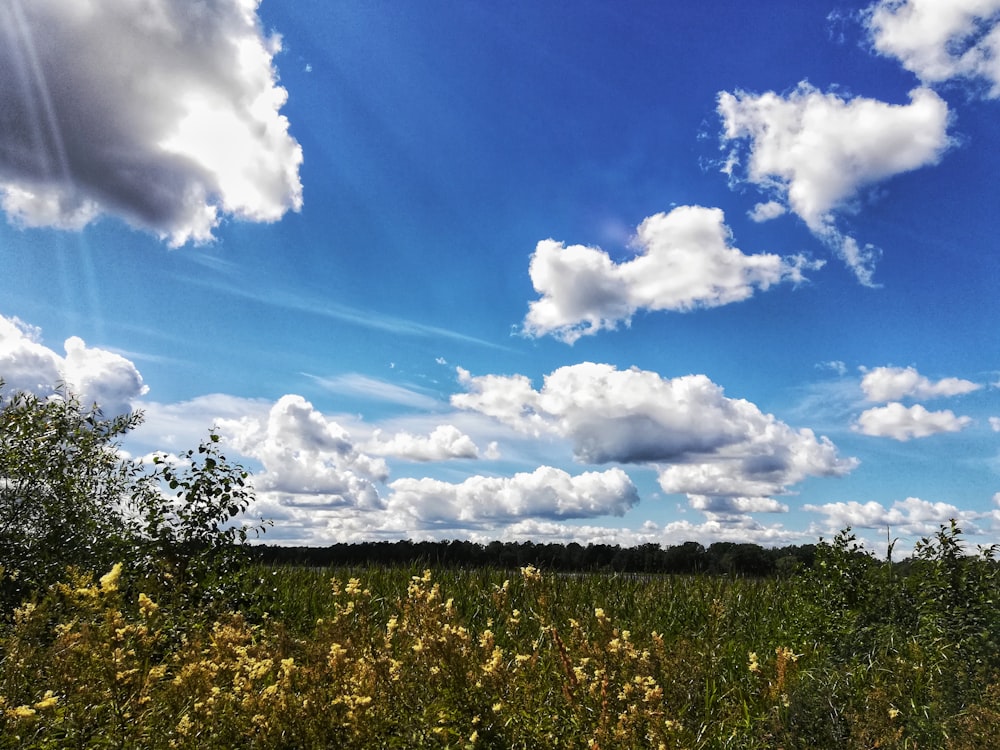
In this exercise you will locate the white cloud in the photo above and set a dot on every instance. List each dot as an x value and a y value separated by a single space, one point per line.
940 41
710 504
164 114
94 375
767 211
685 260
444 443
812 152
903 423
896 383
544 493
307 458
703 442
909 517
995 424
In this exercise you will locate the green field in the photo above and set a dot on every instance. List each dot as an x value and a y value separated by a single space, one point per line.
850 654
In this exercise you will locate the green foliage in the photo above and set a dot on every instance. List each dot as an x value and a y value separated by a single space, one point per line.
62 483
184 513
398 657
69 497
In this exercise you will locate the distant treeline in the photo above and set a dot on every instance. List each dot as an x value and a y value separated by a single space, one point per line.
690 557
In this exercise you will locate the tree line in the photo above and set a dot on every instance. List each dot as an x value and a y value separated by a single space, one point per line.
731 558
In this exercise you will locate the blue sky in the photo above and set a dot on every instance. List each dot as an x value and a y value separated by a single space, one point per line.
604 272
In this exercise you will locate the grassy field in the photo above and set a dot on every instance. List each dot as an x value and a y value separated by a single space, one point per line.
851 654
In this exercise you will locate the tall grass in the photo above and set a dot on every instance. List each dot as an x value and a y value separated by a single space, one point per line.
405 658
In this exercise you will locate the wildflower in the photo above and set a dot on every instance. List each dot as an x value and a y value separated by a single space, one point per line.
147 607
473 737
21 712
531 573
109 581
184 725
599 614
497 708
47 701
893 712
353 587
754 665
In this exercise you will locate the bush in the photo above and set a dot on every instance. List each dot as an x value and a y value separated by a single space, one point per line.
70 497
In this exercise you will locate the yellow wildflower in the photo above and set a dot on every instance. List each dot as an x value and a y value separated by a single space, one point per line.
21 712
754 665
531 573
109 581
147 607
47 701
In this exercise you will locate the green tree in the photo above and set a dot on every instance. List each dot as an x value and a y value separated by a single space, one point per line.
62 483
69 496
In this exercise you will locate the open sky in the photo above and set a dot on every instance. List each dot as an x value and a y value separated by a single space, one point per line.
617 272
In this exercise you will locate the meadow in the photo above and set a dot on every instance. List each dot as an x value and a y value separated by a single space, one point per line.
851 653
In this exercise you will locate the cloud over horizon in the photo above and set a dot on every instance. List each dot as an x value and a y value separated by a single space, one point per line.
702 442
163 114
94 375
684 260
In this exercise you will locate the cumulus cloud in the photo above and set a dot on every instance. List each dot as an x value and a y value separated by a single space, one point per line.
94 375
703 442
896 383
910 517
307 458
940 41
995 424
812 152
445 442
163 114
544 493
767 211
685 260
903 423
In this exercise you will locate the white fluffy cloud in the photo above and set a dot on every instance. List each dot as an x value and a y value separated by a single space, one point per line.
905 422
443 443
164 114
812 152
896 383
940 40
685 260
307 458
544 493
94 375
703 442
909 517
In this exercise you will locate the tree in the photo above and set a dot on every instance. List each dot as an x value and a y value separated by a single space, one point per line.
62 483
70 497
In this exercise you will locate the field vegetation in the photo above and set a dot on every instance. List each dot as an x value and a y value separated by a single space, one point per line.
145 626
